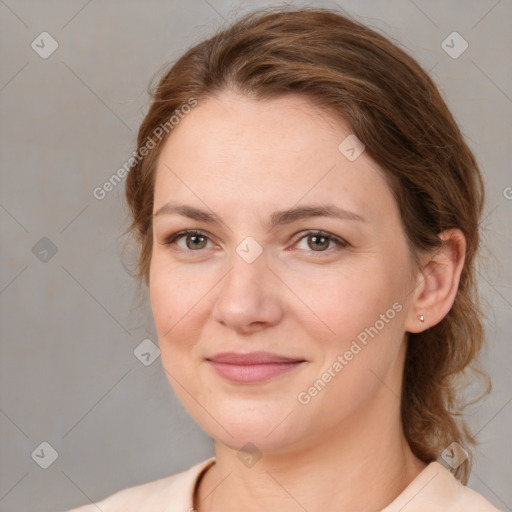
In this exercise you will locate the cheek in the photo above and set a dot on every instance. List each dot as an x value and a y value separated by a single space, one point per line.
179 302
173 293
175 349
163 303
362 314
168 307
365 317
346 300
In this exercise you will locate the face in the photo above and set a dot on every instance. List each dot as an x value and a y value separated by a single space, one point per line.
276 328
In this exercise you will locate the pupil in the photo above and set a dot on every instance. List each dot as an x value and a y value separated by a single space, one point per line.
317 238
195 238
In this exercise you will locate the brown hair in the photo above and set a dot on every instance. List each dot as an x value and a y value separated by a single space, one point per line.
395 109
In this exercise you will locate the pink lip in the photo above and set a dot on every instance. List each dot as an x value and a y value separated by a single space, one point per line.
252 367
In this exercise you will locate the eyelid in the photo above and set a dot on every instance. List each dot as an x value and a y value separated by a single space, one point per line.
341 243
175 236
320 232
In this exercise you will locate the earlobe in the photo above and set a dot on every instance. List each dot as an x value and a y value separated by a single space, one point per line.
437 282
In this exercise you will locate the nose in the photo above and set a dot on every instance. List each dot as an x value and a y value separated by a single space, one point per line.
249 296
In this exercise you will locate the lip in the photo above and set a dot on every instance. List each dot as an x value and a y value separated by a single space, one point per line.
252 367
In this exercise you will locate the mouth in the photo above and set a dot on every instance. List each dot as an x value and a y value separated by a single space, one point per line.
252 367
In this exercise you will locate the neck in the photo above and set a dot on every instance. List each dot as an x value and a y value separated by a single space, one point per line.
363 464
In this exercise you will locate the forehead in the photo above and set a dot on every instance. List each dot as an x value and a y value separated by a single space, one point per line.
289 123
274 151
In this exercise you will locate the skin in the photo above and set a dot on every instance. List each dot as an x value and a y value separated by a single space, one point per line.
243 159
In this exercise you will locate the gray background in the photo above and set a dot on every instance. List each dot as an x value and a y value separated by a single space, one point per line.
70 322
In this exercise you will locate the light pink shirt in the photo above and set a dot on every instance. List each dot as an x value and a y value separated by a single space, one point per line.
435 489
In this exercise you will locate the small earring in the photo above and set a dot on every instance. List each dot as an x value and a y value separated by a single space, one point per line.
422 318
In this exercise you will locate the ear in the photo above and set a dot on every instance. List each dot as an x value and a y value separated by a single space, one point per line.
437 282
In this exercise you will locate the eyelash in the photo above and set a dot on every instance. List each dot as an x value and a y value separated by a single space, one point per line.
304 234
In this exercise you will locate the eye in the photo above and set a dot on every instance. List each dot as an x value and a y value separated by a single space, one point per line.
194 240
319 241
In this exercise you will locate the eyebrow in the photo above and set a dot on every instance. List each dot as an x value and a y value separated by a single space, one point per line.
280 217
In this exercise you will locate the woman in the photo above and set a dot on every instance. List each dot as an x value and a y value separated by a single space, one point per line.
307 212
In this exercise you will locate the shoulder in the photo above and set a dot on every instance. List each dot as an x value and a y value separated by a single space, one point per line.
175 492
436 489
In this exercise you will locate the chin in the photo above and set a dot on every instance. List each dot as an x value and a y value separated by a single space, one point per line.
269 426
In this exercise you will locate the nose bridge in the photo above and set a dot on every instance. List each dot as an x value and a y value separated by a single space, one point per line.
248 267
245 296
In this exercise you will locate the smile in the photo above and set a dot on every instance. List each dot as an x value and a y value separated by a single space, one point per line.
252 368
